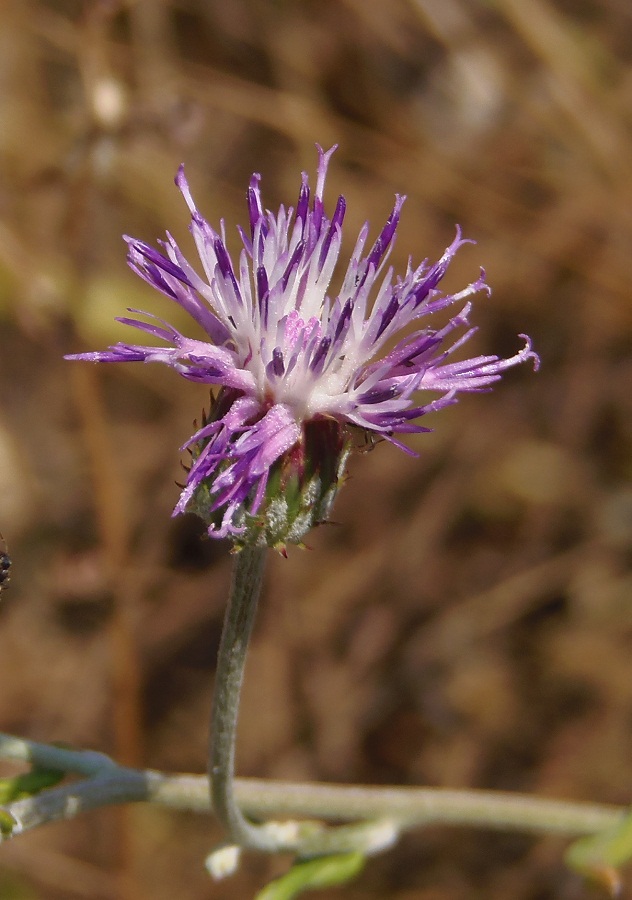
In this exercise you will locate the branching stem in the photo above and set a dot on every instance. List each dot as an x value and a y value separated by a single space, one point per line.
105 782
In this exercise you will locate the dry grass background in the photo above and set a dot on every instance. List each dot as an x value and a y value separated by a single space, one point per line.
468 621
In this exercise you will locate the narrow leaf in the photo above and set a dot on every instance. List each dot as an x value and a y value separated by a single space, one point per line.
600 856
311 874
27 784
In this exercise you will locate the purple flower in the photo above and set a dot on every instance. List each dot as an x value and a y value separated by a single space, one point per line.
296 366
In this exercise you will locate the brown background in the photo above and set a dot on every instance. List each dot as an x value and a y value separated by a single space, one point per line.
467 621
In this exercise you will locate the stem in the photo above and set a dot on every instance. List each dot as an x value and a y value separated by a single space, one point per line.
238 622
108 783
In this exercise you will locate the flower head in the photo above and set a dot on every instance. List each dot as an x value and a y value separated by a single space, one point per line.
295 366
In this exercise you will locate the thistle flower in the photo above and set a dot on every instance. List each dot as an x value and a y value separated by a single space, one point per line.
296 367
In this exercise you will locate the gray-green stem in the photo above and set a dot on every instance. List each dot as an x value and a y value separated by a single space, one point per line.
306 838
376 815
106 783
231 660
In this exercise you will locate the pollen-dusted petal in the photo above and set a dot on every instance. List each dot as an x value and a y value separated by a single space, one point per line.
272 435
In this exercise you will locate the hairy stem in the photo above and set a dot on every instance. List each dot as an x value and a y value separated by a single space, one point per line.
231 660
107 783
305 838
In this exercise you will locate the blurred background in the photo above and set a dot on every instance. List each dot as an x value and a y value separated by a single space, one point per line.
467 620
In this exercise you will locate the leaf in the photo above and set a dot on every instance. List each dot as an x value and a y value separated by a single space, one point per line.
600 856
27 784
7 824
311 874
